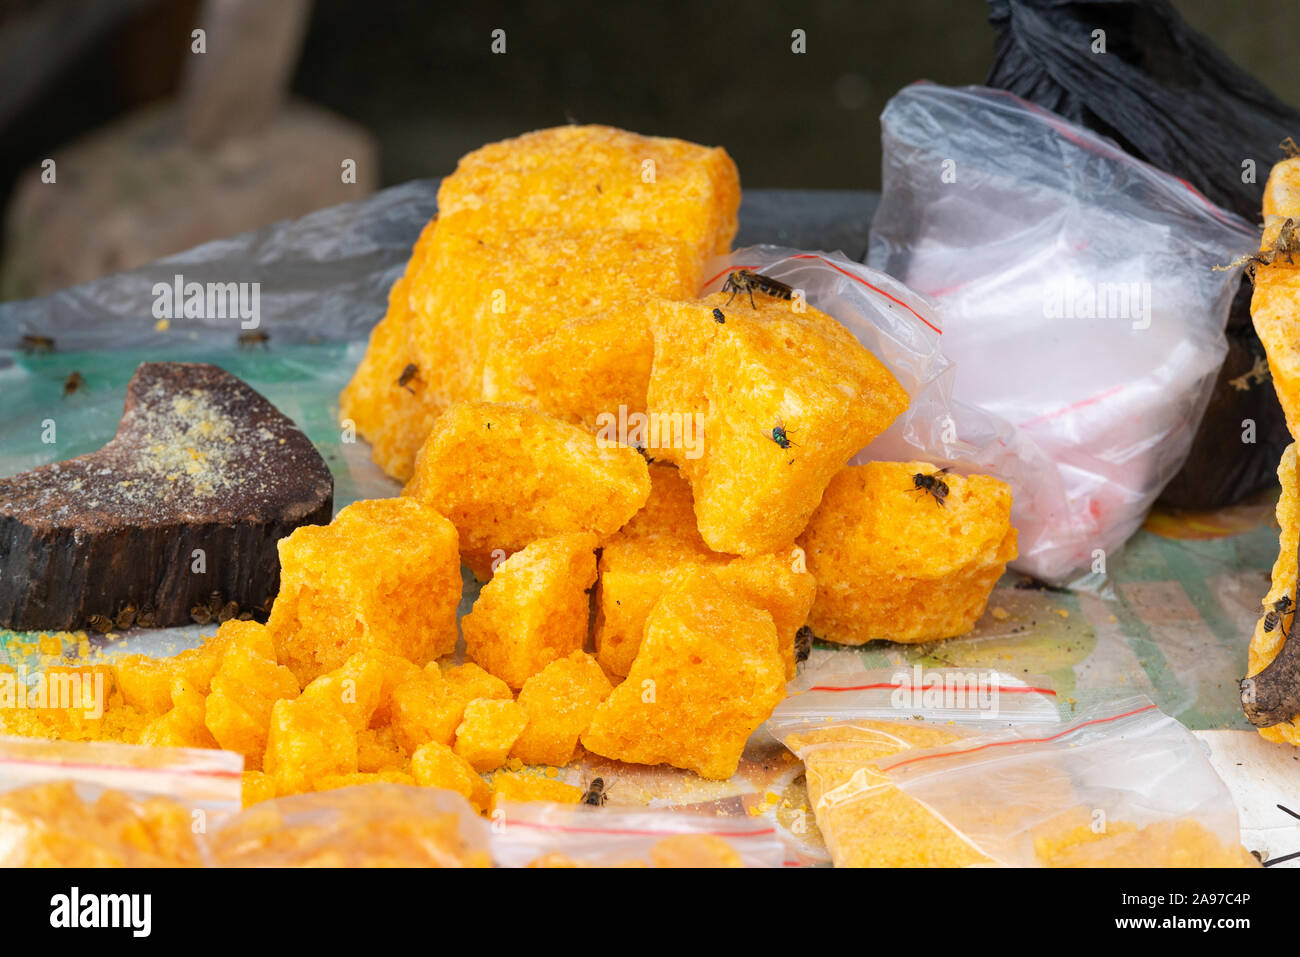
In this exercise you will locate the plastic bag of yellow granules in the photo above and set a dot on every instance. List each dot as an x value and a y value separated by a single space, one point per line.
542 834
1124 785
374 825
103 804
840 724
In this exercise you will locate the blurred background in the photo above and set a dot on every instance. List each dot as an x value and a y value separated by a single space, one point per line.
160 147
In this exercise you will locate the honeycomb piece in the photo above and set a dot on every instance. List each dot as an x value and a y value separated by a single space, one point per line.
487 732
243 692
383 576
639 562
559 701
435 765
425 709
1267 645
765 369
523 786
707 674
256 787
353 690
694 850
306 743
590 367
393 416
507 477
146 682
485 296
893 564
535 609
598 177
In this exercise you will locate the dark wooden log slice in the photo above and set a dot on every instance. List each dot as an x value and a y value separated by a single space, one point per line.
201 463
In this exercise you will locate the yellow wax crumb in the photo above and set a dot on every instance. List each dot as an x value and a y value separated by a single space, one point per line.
1062 612
1001 614
162 325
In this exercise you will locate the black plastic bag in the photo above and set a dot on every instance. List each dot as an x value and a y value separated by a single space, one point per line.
1169 96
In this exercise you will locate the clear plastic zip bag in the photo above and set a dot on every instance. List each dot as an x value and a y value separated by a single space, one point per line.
840 723
104 804
1077 294
1124 785
542 834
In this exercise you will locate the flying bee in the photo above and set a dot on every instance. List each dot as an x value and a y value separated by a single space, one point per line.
253 339
931 484
100 623
72 383
596 794
747 281
125 617
36 344
1274 618
718 316
409 373
803 642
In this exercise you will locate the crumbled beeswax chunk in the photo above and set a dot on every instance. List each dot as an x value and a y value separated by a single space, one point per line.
638 563
708 673
256 787
244 690
435 765
471 681
559 702
383 576
426 708
524 786
1073 841
864 818
893 564
788 397
595 177
535 609
305 744
388 400
694 850
50 825
184 725
507 477
380 825
488 731
352 690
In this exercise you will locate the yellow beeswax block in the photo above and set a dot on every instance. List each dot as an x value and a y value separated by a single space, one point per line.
787 396
383 576
488 731
507 477
893 564
559 702
708 673
535 609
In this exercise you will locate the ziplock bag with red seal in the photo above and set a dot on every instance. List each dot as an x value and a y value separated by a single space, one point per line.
840 723
1124 785
543 834
901 328
1077 294
374 825
104 804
